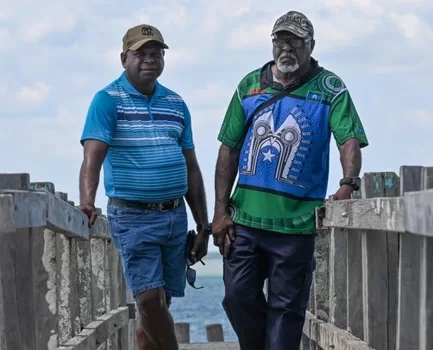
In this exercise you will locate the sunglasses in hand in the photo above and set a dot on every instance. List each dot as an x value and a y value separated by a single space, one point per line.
191 274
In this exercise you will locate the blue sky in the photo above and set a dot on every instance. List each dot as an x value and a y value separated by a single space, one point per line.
57 55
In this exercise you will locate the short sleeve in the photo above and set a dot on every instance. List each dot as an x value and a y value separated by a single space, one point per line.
232 131
101 119
186 139
345 122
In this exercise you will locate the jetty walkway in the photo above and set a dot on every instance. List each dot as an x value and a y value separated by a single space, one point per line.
61 283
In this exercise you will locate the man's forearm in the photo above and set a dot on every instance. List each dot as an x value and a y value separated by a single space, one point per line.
196 197
89 181
225 175
351 158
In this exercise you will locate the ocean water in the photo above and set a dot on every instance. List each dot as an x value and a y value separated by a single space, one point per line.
201 307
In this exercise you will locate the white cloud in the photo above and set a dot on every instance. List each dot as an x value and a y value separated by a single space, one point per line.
420 117
211 92
7 43
412 26
58 20
178 17
182 55
34 94
59 134
215 14
251 35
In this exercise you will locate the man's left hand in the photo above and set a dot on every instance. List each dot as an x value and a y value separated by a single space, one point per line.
199 251
344 192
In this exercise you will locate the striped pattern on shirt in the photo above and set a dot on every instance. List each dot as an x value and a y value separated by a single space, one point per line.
145 160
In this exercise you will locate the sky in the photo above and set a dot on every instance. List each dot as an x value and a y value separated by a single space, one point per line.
57 55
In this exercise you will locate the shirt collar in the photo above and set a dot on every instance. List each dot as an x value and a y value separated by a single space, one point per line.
130 89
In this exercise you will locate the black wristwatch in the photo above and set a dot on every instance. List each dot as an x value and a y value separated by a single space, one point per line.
354 182
204 227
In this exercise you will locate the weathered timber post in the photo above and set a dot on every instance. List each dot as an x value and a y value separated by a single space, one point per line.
409 277
338 277
379 271
415 306
426 297
214 333
182 332
28 275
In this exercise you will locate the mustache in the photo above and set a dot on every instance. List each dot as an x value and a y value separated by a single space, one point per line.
289 55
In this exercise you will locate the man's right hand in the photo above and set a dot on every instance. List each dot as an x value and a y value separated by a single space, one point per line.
222 225
90 211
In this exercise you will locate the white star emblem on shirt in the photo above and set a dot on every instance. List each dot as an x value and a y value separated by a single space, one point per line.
268 156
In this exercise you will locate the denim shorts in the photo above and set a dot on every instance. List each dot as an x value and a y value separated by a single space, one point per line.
152 247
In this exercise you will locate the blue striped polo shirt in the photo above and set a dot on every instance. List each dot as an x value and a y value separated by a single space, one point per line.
146 138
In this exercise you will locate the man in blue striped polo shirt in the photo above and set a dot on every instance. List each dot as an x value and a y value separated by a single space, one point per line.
140 131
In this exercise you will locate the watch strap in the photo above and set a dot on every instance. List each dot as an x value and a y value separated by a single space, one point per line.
354 182
204 227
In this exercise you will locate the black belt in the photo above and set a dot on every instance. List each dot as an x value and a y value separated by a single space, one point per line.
163 206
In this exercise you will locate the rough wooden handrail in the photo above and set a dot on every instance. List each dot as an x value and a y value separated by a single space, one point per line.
61 282
41 209
411 213
374 256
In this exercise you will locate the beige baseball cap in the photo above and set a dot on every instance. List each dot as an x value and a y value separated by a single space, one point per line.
137 36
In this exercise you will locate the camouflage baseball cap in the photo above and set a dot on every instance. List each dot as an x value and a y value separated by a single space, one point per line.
137 36
296 23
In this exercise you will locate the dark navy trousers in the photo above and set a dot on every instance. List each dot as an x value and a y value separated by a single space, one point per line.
288 263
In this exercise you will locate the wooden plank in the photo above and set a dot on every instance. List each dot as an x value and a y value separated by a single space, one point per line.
426 276
84 282
43 187
45 288
328 336
338 278
214 333
7 223
392 189
321 276
15 181
45 210
409 277
64 218
44 282
29 209
116 298
100 229
97 332
182 330
109 323
379 214
64 295
354 277
16 303
86 340
376 268
97 254
210 346
418 212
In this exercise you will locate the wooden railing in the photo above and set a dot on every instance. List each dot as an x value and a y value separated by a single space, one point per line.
62 287
61 283
373 285
214 335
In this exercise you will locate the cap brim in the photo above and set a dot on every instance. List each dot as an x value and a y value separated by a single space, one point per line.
292 29
139 44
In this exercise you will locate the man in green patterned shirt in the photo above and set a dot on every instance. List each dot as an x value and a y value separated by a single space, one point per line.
276 134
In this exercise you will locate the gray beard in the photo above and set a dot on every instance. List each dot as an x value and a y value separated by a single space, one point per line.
287 68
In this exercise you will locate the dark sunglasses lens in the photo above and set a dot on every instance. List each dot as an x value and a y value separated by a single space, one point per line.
191 275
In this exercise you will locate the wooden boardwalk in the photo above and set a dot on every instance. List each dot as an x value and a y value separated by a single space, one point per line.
210 346
62 287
